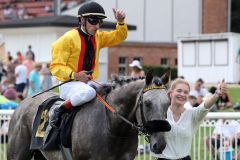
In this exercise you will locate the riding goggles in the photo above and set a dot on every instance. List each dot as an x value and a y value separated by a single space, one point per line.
94 21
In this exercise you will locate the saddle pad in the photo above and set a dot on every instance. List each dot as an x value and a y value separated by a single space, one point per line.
41 122
50 140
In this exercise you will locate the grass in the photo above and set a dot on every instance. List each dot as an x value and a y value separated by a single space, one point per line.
147 157
234 93
144 156
3 151
198 142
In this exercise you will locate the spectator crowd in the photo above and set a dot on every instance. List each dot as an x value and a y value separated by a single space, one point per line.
26 9
22 76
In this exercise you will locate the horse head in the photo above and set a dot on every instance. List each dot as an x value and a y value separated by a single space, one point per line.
152 105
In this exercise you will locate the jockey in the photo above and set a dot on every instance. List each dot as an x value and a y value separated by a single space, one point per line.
77 52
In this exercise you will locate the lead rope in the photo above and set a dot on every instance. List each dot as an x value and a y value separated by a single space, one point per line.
109 107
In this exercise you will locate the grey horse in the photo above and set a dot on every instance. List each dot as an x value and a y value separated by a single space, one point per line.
98 134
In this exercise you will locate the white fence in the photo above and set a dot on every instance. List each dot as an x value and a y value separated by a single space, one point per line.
200 151
5 116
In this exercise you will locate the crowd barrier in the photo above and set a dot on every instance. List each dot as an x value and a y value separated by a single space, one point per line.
5 116
199 146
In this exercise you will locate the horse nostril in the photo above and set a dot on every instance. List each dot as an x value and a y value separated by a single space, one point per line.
158 148
155 147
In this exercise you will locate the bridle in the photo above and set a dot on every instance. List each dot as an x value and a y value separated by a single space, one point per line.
140 103
139 127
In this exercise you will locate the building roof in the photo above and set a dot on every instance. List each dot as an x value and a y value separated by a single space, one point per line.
57 21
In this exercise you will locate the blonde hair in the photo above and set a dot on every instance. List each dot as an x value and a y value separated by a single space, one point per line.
178 81
175 82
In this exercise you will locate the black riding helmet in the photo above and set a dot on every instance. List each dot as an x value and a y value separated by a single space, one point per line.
91 9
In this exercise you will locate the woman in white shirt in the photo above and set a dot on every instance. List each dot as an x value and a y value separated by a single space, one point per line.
184 122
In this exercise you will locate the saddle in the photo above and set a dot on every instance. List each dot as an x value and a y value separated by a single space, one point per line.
45 137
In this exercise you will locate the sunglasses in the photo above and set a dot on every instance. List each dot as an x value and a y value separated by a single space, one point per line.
95 21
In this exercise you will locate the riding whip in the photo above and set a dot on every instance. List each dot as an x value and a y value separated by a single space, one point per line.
51 88
140 129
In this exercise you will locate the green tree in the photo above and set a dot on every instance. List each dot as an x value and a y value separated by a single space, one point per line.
235 16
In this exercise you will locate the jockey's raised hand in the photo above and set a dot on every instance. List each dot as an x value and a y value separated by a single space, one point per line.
119 15
82 76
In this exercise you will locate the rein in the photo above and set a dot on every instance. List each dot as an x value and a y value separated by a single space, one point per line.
108 106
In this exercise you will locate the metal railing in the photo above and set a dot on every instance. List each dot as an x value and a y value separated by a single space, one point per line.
199 151
5 116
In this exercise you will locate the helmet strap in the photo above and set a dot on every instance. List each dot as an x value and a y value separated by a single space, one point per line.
84 28
79 22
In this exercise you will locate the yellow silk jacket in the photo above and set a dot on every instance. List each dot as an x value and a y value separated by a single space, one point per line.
67 49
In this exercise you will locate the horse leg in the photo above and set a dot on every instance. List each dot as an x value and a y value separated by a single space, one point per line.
19 144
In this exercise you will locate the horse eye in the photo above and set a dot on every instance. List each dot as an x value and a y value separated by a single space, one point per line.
148 103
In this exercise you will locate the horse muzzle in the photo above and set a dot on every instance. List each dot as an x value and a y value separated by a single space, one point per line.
157 126
157 143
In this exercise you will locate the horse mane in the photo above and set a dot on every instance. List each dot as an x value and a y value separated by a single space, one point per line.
123 91
127 91
116 82
119 80
104 89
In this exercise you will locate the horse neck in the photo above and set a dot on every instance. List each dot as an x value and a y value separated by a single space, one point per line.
123 100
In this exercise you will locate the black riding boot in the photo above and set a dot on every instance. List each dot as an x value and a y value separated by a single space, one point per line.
55 114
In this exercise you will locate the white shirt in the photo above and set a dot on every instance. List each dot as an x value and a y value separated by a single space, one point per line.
21 70
179 138
188 105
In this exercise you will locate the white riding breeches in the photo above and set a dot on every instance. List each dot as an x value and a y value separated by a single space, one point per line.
77 92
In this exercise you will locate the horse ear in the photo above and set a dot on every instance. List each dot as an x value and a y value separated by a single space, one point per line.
166 76
149 77
114 80
114 77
